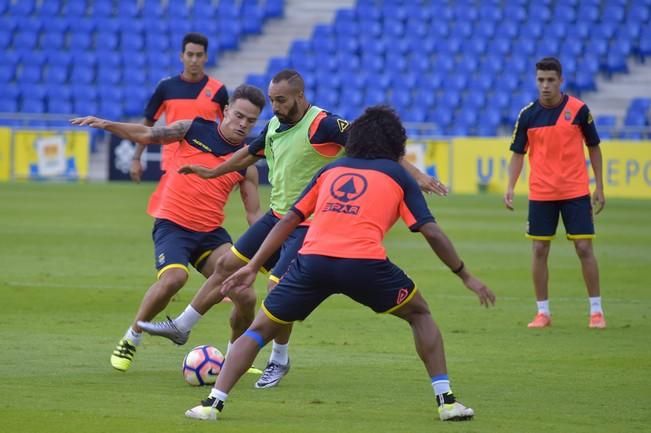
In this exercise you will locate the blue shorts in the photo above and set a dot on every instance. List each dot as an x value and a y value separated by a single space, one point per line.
378 284
249 243
176 246
576 214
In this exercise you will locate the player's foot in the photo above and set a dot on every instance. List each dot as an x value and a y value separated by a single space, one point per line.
451 410
253 370
272 374
541 320
122 355
206 411
166 329
597 320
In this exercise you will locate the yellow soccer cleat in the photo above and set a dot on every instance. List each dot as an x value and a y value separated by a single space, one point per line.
123 355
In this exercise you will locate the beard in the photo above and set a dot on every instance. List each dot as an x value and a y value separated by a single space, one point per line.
291 114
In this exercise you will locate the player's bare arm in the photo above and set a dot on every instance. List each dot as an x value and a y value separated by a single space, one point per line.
136 132
598 197
444 249
514 170
171 133
426 183
250 196
239 161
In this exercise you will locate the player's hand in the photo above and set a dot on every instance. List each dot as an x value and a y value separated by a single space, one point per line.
92 121
136 170
508 199
239 281
485 295
430 185
199 170
598 201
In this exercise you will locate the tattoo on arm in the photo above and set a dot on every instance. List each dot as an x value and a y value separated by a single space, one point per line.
168 134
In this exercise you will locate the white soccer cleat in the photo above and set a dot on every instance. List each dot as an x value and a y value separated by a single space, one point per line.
455 412
205 413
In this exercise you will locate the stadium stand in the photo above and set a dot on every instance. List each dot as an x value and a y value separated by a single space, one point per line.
459 67
465 67
108 55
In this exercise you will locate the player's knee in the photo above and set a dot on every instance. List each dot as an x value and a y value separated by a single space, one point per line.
540 249
245 300
583 249
172 280
228 263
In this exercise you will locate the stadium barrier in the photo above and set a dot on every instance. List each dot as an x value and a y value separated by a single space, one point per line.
476 165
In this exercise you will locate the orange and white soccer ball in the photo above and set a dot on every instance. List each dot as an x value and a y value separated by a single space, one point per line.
202 365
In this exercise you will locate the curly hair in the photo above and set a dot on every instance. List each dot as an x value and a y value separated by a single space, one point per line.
377 133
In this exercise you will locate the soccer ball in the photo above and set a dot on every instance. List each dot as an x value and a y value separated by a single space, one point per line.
202 365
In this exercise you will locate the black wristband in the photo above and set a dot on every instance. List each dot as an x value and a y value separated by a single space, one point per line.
460 268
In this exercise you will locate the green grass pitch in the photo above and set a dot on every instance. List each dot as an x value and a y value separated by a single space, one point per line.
76 259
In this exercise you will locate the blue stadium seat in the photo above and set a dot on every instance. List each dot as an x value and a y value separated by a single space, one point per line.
374 96
25 40
8 106
82 74
7 73
5 39
277 64
106 41
58 92
30 74
103 8
274 8
128 8
131 41
75 8
133 76
59 106
83 92
606 125
32 105
57 74
56 24
252 22
52 40
153 8
22 8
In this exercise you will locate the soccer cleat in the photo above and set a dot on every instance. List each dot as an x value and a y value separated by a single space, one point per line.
597 321
166 329
272 374
541 320
122 355
253 370
207 410
455 412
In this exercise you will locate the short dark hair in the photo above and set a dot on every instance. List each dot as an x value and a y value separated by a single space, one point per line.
195 38
377 133
250 93
292 77
550 64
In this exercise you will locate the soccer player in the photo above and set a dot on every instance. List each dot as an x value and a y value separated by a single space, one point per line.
189 211
354 202
299 140
552 130
183 97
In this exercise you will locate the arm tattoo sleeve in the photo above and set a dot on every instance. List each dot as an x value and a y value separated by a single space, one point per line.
168 134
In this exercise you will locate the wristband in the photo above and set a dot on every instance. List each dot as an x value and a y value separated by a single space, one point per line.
459 269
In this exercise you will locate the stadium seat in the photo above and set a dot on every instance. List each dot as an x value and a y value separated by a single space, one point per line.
30 74
25 40
274 8
59 106
5 39
8 106
128 8
32 105
7 73
22 8
75 8
82 74
56 74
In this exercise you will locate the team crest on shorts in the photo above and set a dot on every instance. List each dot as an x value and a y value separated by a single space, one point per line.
161 258
402 295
